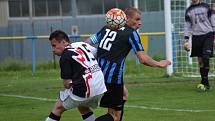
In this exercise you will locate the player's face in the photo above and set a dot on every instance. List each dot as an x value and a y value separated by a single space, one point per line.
134 21
58 47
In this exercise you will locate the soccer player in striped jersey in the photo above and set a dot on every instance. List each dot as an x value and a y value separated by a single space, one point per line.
198 23
82 77
113 48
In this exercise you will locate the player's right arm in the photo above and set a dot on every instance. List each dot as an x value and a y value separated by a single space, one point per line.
187 31
95 38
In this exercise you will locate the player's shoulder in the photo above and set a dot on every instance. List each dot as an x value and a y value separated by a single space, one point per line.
205 5
103 29
201 5
126 29
78 44
67 54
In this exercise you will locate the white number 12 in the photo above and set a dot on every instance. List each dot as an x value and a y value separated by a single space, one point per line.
107 39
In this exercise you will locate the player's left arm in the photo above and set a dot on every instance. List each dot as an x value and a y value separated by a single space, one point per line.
147 60
212 20
187 30
136 44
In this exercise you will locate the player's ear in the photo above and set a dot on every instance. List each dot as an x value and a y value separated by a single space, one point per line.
64 42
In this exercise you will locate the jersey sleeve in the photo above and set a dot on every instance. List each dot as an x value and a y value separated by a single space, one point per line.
187 26
96 38
134 40
66 66
213 21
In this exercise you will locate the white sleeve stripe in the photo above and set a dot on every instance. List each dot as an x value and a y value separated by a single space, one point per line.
93 39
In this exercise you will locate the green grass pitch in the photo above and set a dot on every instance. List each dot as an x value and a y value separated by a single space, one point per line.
152 96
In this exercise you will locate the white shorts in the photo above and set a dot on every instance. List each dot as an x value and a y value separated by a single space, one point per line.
69 103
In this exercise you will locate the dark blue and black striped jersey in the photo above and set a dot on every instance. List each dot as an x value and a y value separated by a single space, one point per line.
113 47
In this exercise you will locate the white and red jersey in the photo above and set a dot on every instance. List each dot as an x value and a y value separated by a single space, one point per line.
79 64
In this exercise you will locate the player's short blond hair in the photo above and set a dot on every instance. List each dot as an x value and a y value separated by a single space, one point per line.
131 10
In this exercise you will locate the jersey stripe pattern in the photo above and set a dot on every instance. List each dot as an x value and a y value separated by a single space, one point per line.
95 38
113 48
112 71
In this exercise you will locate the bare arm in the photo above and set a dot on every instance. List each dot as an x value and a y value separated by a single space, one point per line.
88 41
147 60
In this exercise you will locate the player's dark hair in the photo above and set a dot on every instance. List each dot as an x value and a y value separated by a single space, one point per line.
130 11
59 36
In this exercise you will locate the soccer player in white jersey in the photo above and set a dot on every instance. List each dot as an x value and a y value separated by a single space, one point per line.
82 77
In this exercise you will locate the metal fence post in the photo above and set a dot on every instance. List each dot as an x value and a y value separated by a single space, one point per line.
33 55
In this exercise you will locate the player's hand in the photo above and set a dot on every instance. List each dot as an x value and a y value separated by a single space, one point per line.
187 46
214 41
164 63
125 93
67 83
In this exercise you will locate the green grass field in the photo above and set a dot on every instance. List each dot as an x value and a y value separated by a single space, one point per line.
152 96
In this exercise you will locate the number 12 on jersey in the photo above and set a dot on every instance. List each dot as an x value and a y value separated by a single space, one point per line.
107 39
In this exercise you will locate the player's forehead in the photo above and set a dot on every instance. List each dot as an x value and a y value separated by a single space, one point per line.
54 42
136 16
135 13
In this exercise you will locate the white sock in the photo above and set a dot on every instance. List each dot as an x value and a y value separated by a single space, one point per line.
49 119
90 118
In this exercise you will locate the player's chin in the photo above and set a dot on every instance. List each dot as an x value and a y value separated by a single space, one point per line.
137 28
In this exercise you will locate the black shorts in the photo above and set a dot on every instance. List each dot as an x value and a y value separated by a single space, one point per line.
113 98
202 45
